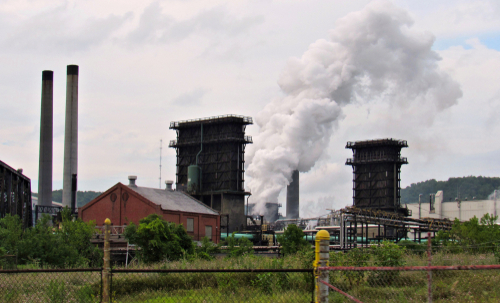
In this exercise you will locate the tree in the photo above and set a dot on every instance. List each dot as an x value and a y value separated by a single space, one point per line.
159 239
292 240
480 235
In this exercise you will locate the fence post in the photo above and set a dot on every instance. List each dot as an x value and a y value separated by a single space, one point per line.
322 255
429 272
106 273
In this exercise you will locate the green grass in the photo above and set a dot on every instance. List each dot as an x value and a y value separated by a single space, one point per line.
448 286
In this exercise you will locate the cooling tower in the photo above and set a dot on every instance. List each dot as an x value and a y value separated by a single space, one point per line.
70 133
292 197
46 140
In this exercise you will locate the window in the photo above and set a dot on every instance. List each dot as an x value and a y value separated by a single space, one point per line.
208 232
190 225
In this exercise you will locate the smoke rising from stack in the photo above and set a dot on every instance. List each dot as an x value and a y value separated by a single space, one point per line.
70 133
46 139
372 55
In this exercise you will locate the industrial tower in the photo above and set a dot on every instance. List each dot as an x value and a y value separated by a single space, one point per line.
376 168
211 163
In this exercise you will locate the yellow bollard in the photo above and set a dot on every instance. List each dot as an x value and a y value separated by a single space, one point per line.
106 273
322 256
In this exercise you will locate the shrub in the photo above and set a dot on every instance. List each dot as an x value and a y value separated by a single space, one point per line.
159 239
238 247
206 249
292 240
387 254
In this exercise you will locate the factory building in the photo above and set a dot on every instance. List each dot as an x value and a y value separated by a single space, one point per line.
124 204
376 166
433 206
15 194
211 164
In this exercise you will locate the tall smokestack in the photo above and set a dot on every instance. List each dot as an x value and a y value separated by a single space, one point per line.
70 133
46 140
292 197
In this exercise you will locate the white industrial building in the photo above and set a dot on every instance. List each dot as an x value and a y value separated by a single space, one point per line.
463 210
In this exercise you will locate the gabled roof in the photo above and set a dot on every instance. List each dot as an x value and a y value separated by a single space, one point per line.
173 200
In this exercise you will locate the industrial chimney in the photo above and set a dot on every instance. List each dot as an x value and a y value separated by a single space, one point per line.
292 197
70 134
46 140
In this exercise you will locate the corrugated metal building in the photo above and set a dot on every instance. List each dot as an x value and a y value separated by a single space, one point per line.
464 210
124 204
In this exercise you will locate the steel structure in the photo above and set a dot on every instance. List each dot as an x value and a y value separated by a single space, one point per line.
361 227
216 145
376 168
15 194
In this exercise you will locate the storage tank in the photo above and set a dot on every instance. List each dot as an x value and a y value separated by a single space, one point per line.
193 184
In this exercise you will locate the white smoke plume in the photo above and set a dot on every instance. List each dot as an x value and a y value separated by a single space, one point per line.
371 55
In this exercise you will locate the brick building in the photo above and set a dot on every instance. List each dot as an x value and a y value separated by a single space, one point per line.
124 204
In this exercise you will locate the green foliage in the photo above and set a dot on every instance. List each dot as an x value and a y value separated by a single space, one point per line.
56 292
206 249
413 247
10 233
159 239
474 235
238 247
45 244
355 257
479 187
387 254
264 281
292 240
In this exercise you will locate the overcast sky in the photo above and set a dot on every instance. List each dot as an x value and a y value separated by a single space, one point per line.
144 64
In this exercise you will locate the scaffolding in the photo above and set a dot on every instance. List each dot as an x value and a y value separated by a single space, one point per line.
15 194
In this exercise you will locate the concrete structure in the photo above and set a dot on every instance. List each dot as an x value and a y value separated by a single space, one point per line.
292 197
46 140
125 204
464 210
211 164
70 134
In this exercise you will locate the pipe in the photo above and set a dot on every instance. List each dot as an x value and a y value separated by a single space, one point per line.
201 149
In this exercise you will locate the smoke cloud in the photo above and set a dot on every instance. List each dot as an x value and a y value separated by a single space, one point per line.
372 55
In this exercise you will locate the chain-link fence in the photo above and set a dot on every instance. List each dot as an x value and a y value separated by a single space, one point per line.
414 284
50 285
212 285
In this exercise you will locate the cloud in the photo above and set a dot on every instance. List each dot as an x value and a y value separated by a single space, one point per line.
192 98
59 30
155 27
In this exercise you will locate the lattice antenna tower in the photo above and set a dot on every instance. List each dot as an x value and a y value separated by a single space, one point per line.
161 143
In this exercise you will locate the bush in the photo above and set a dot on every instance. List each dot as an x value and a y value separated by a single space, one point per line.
206 249
292 240
68 245
238 247
387 254
159 239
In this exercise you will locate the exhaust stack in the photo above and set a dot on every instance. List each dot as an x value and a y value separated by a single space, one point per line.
46 140
70 134
292 197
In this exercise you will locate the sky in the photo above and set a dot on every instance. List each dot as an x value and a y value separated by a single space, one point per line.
144 64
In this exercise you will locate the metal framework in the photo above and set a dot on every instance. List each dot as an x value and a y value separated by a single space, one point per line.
221 160
360 227
15 194
376 173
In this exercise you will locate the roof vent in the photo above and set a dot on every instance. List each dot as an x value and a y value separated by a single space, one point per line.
20 170
169 185
131 181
